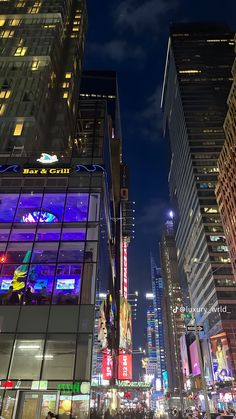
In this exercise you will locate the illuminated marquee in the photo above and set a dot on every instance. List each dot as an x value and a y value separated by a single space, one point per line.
47 171
124 366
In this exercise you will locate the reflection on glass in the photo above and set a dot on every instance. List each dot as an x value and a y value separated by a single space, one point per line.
54 203
76 207
44 252
6 342
48 233
27 358
8 203
71 252
8 404
59 357
22 234
73 234
83 358
28 203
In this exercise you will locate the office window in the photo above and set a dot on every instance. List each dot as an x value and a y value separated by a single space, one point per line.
65 95
35 65
2 109
2 22
68 76
7 34
5 94
20 51
14 22
18 129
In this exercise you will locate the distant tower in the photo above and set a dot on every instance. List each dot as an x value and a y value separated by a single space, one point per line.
157 289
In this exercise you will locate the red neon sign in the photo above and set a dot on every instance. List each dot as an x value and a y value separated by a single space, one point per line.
107 365
124 366
125 270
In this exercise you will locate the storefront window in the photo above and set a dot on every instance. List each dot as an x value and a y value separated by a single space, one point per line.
54 203
83 358
48 232
4 233
22 234
6 343
8 404
71 252
80 406
88 284
59 357
39 284
76 207
8 203
27 357
44 252
73 233
28 204
67 284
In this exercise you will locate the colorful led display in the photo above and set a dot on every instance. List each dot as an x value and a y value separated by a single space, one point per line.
221 359
41 217
184 356
107 365
125 325
195 363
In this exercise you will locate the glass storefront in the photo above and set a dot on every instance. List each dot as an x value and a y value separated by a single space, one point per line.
48 247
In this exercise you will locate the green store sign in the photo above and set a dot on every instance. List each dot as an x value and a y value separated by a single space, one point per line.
78 387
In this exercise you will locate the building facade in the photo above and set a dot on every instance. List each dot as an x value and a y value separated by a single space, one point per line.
57 205
174 325
225 189
196 85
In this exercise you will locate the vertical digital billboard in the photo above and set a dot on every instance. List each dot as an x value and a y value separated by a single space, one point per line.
195 362
221 359
125 325
184 356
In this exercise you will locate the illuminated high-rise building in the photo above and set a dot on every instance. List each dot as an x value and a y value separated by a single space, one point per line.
226 187
174 326
196 86
57 235
158 295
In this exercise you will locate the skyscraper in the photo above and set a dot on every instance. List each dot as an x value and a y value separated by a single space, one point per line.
157 289
56 209
196 85
226 187
174 326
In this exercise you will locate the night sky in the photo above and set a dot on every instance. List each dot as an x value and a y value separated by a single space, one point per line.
131 37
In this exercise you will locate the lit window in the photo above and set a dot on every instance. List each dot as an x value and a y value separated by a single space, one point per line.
68 76
21 4
2 109
20 52
75 29
210 210
189 71
65 95
35 65
5 94
65 85
7 34
18 129
14 22
2 21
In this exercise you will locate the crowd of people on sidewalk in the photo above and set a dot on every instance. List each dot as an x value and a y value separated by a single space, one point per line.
139 413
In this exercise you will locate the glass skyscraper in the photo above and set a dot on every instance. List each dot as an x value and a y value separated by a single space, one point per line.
56 206
196 85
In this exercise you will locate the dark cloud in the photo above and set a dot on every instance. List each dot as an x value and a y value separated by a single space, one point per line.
152 215
151 116
116 50
144 16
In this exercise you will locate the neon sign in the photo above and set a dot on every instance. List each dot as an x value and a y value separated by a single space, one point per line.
125 270
83 388
47 158
37 216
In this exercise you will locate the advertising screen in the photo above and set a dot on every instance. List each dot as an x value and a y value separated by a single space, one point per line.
221 360
207 361
184 356
194 359
125 325
6 283
124 366
40 284
65 284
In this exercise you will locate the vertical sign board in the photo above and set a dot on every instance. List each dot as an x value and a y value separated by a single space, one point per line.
107 365
125 270
124 366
